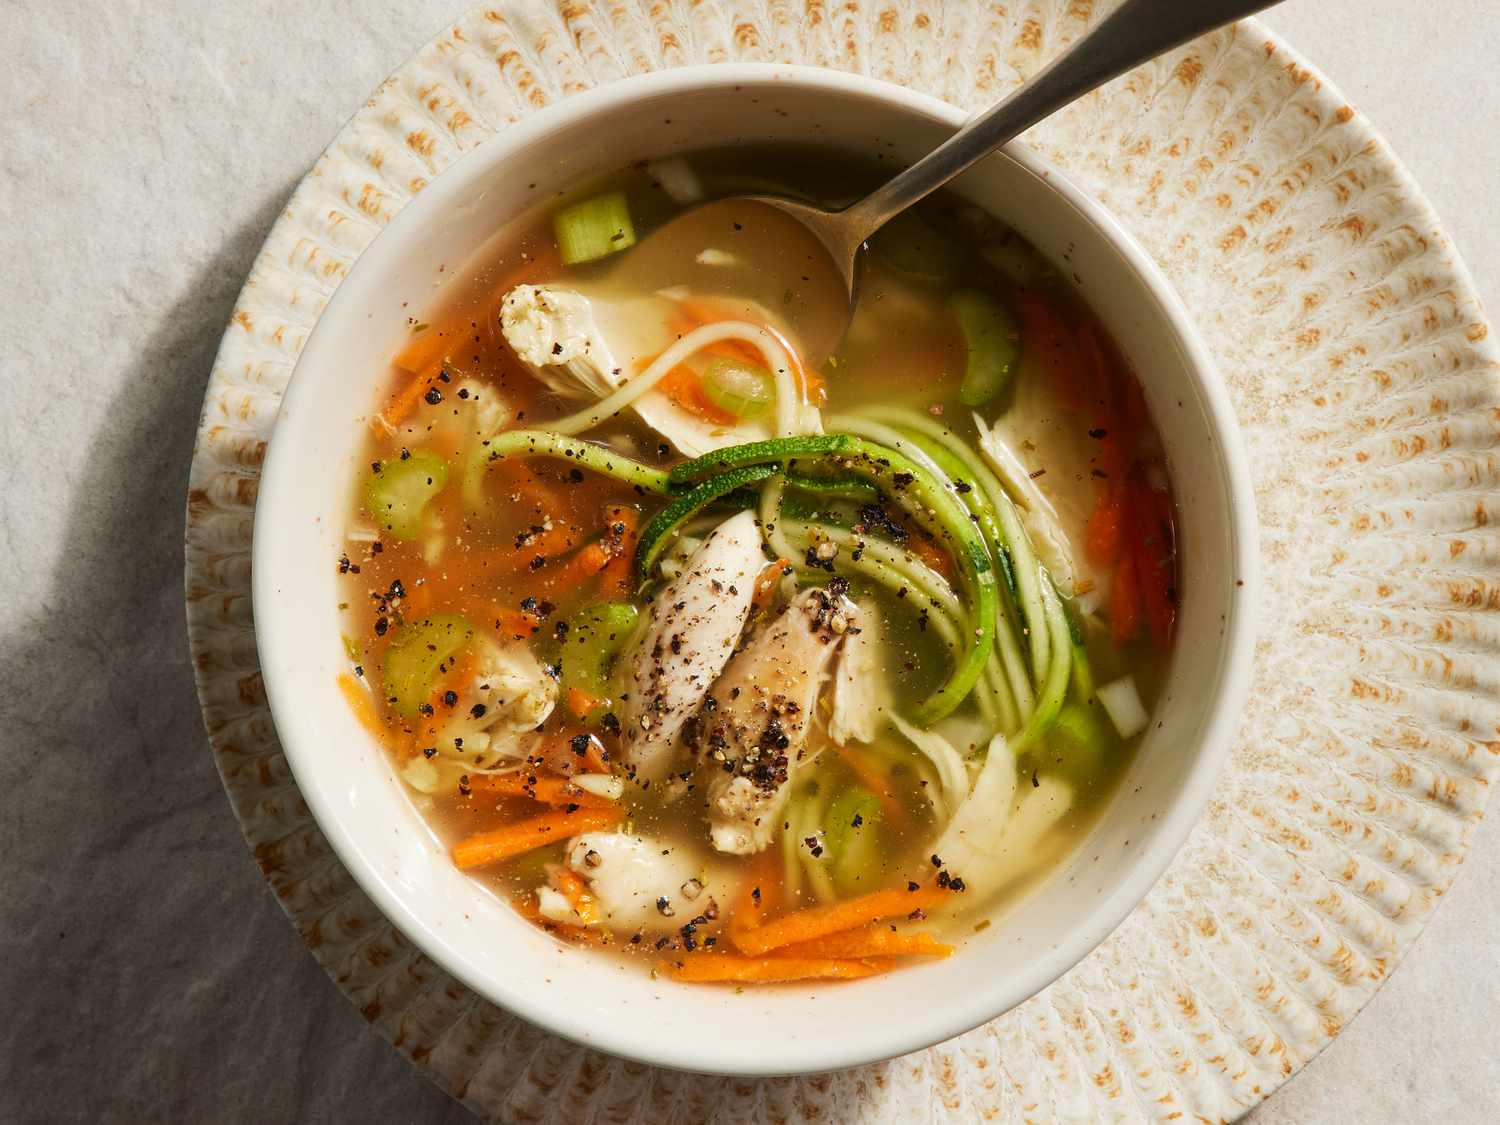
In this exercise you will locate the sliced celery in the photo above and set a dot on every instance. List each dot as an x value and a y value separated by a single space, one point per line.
994 343
917 250
591 643
413 660
853 848
594 228
397 491
743 389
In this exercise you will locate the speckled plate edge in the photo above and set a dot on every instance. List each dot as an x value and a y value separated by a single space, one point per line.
1369 391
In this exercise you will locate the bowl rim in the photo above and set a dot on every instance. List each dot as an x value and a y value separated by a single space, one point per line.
916 1030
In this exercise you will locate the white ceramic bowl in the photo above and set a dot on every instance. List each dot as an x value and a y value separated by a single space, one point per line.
362 808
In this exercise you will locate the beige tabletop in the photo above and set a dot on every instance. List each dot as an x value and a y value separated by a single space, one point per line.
145 971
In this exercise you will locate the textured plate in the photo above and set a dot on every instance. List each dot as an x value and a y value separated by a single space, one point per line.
1369 393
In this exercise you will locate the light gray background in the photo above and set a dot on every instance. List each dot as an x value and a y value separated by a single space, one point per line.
145 972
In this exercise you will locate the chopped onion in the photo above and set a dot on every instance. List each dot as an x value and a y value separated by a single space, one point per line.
1122 703
554 906
605 785
421 775
677 179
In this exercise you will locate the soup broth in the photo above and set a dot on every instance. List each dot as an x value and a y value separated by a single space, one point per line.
798 665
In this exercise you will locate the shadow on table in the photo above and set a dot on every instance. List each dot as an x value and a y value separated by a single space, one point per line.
148 975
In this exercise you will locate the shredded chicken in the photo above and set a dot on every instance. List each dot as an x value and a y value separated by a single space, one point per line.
510 695
695 624
861 690
645 885
586 343
751 728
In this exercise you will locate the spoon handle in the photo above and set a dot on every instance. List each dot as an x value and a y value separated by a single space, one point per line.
1135 32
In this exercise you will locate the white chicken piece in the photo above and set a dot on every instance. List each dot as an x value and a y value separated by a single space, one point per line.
645 885
510 696
1054 498
996 833
695 624
861 689
753 724
582 341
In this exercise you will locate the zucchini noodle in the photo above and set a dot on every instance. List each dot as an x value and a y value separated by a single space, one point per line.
789 400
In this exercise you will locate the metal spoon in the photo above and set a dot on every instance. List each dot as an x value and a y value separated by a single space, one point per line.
1134 32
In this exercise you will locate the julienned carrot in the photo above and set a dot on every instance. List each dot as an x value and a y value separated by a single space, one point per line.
525 905
572 886
684 387
620 536
581 703
524 835
707 310
871 941
547 790
894 810
759 894
1104 535
766 582
363 706
820 921
726 968
1044 336
931 554
404 401
574 572
1124 600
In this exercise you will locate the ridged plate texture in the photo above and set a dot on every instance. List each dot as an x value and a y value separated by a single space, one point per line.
1368 387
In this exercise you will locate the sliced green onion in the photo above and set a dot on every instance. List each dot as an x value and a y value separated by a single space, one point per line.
744 389
594 228
993 340
685 507
412 661
397 491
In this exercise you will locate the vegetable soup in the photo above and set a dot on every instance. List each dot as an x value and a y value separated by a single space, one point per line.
713 638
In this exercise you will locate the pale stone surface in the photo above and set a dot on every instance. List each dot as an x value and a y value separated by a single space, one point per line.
147 974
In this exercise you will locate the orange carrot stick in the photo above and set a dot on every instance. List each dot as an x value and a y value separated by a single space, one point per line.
525 905
766 582
726 968
820 921
758 895
1124 600
404 401
362 704
548 790
581 703
1104 535
620 538
894 810
525 835
871 941
933 555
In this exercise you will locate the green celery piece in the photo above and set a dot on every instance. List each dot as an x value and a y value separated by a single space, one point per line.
397 491
854 853
593 228
412 661
993 339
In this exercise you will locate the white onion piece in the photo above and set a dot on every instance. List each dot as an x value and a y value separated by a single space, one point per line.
605 785
1122 703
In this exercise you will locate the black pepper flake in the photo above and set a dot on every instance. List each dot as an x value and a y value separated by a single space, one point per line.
433 396
936 862
477 711
450 698
912 886
537 562
571 808
857 821
1099 434
580 744
429 751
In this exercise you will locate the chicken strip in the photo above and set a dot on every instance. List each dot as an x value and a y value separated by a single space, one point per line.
695 624
642 884
752 726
